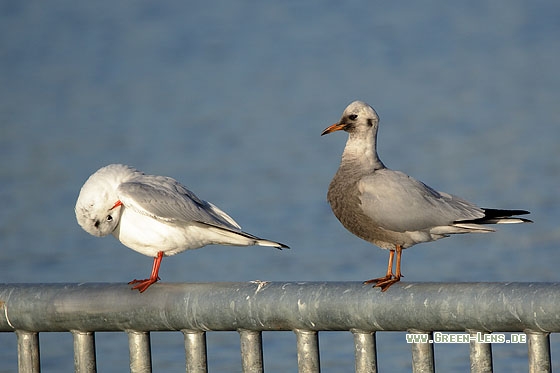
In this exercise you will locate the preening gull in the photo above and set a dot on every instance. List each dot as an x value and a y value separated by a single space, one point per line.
154 215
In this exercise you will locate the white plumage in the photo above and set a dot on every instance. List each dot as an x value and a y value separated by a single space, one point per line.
154 215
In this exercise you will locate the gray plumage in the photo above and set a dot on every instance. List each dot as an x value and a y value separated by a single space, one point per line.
389 208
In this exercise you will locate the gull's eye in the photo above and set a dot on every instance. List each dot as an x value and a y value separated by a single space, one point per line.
109 218
353 116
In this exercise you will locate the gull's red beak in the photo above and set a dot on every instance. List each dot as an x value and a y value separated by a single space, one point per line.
333 128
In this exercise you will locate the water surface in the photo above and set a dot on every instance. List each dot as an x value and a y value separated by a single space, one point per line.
230 98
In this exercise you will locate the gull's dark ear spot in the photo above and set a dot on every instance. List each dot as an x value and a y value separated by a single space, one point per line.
370 122
96 224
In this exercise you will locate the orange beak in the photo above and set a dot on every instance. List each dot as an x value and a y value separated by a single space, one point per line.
335 127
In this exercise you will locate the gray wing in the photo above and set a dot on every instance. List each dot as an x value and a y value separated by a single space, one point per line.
166 199
400 203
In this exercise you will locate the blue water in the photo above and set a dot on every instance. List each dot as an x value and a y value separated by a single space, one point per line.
230 98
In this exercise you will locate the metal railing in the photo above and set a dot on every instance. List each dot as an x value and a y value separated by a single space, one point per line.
304 308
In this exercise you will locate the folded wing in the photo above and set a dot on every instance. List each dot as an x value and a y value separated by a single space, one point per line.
166 199
400 203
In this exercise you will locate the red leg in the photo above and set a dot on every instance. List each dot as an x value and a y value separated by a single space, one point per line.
142 285
398 275
389 274
385 282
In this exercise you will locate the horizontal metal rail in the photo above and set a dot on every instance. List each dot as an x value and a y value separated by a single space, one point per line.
281 306
305 308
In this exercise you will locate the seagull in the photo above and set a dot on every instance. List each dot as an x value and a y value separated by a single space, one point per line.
391 209
155 216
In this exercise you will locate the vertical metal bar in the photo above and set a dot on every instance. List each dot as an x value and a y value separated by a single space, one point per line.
140 352
423 354
251 351
84 352
539 352
365 351
28 352
308 351
195 349
480 353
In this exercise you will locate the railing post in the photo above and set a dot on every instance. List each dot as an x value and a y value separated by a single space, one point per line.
480 354
365 351
539 352
251 351
308 351
84 352
140 352
423 354
195 350
28 352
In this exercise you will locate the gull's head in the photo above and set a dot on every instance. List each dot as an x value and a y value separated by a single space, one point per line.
98 208
358 117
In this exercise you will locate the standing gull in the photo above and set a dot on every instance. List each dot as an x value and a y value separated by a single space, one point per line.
154 215
389 208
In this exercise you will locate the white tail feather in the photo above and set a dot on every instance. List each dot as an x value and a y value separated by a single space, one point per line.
473 227
508 221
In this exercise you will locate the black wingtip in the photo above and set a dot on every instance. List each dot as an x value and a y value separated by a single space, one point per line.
497 213
497 216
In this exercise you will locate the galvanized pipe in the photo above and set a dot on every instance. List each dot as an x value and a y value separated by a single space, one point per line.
195 350
139 347
28 352
282 306
423 354
539 352
251 351
365 351
84 352
480 354
307 351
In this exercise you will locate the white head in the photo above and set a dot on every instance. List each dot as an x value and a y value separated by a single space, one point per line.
98 209
361 122
358 117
